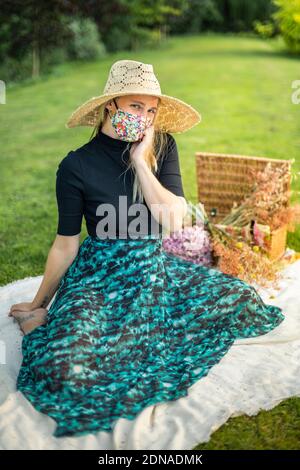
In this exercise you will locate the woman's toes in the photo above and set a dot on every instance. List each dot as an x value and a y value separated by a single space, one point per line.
19 314
29 320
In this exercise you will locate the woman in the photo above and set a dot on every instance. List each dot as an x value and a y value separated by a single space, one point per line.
130 325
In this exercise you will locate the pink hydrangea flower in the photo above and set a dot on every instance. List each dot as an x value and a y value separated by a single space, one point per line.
191 243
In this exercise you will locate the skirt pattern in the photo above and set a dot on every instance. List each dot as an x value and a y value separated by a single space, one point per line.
132 326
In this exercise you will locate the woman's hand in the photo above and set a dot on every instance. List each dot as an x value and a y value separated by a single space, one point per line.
21 307
140 148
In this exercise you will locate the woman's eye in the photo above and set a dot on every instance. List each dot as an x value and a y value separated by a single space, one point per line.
153 111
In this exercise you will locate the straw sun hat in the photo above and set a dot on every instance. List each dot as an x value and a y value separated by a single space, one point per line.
129 77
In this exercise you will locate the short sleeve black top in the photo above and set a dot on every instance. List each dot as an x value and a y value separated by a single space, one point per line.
94 174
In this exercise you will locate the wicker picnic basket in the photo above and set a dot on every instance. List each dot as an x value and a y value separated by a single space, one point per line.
222 180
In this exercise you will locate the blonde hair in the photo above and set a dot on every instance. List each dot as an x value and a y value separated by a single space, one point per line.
156 152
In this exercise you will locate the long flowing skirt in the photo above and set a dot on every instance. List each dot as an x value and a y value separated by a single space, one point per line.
131 326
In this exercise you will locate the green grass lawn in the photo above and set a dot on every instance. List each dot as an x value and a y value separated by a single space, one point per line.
277 429
242 86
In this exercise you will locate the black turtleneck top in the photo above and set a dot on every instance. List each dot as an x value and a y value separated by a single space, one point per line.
93 174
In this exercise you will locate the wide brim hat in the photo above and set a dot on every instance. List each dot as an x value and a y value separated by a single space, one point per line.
130 77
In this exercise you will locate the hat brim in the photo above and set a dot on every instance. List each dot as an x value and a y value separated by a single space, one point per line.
173 115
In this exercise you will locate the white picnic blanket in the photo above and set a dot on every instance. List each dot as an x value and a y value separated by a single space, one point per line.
255 374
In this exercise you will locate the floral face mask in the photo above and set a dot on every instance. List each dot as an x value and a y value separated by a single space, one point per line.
129 127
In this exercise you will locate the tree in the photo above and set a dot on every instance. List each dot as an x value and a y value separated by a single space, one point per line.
32 25
288 18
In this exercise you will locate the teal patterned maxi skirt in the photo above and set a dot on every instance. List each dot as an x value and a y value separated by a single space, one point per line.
131 326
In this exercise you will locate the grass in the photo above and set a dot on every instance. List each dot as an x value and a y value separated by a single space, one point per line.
242 86
276 429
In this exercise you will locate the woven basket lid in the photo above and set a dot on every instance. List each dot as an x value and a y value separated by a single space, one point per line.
130 77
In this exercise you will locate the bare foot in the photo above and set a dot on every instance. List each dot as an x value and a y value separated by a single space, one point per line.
28 321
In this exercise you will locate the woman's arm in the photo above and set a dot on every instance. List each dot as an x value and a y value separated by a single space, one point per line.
60 257
167 208
69 193
164 194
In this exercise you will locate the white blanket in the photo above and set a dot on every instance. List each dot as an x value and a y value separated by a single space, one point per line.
255 374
